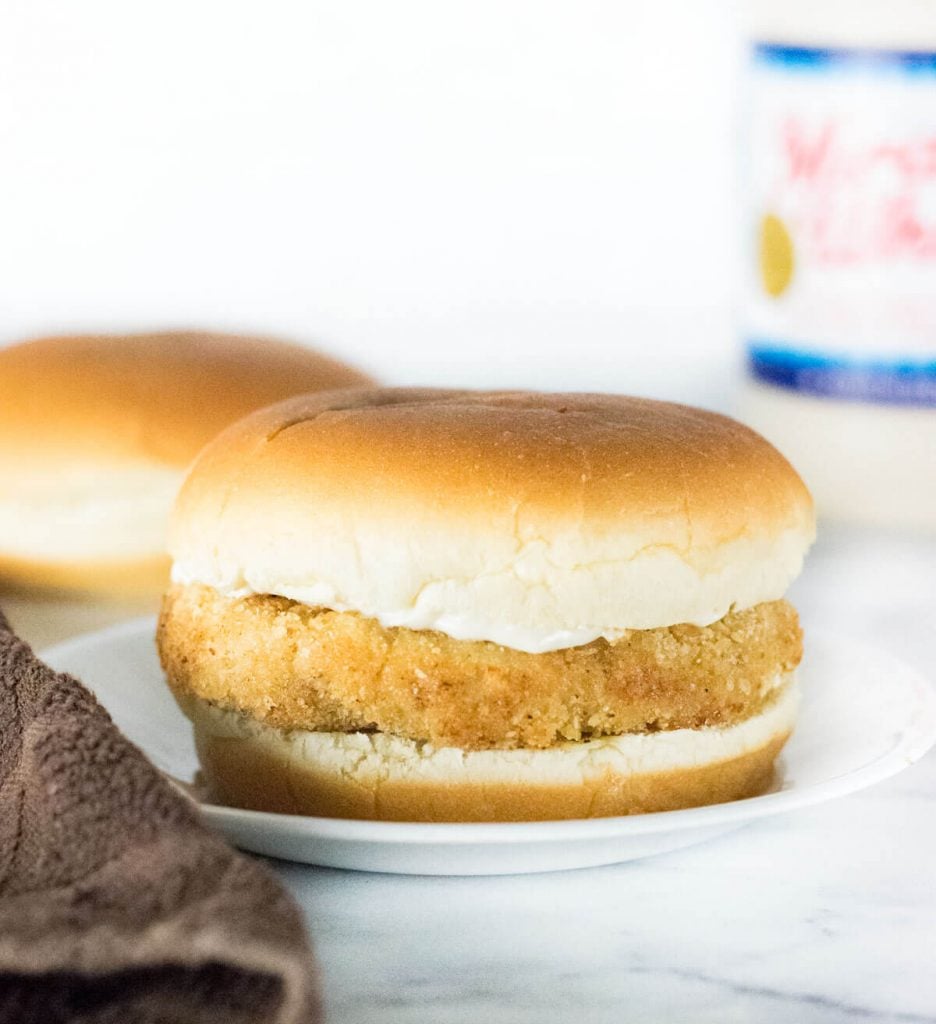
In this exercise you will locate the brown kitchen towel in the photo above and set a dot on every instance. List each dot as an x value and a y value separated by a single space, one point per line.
116 905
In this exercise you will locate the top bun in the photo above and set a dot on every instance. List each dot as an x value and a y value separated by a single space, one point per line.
97 431
538 521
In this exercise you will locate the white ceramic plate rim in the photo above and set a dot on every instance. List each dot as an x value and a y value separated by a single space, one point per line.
908 746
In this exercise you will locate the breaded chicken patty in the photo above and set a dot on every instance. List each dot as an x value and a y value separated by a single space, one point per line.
292 666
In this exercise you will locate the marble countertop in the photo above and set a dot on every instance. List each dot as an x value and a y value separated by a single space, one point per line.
826 915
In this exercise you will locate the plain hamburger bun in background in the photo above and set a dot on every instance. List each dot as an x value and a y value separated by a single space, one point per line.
96 433
449 605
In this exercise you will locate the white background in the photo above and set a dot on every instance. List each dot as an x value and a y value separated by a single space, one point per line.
514 192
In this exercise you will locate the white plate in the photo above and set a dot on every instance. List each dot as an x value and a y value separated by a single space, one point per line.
864 716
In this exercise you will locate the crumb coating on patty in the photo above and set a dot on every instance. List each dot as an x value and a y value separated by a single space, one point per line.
293 666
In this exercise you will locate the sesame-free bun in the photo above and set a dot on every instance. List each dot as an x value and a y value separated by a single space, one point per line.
383 777
537 521
96 433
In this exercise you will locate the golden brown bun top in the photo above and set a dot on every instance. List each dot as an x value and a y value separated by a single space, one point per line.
152 396
565 514
596 458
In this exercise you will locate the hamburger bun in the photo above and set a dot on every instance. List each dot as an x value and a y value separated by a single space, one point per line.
381 777
96 433
419 604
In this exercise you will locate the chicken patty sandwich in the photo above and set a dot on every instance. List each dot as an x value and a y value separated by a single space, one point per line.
433 605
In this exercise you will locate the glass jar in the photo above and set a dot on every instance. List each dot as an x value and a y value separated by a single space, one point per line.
839 293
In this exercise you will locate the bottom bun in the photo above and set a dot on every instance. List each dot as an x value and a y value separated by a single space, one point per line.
381 777
142 576
97 529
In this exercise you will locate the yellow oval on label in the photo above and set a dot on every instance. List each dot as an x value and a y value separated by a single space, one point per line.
776 255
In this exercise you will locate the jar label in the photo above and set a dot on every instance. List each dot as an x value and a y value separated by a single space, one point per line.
841 219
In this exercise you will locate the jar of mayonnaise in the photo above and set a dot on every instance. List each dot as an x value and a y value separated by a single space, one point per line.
839 301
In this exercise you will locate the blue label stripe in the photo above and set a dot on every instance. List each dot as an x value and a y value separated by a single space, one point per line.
889 382
808 58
